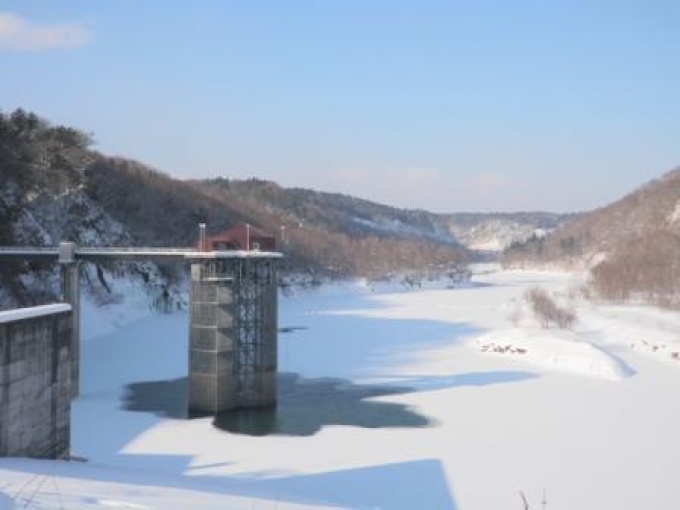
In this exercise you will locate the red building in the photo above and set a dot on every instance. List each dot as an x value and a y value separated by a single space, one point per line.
241 237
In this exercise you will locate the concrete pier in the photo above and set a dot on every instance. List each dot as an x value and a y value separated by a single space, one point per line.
233 334
70 293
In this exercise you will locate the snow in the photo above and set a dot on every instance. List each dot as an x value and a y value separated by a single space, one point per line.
587 414
32 312
495 234
492 244
396 226
129 303
563 351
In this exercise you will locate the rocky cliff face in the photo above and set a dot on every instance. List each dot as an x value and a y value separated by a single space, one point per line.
40 218
43 201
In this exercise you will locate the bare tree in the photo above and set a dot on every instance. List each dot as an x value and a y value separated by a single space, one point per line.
547 311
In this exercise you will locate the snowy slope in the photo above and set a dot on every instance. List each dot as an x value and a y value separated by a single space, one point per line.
494 232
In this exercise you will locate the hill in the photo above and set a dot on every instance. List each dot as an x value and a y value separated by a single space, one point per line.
478 232
493 232
631 246
56 188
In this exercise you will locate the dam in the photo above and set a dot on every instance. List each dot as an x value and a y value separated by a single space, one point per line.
232 339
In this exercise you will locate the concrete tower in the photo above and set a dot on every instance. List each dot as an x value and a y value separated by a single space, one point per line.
233 332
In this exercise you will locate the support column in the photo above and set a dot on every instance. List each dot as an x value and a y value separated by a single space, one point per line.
212 331
70 293
233 334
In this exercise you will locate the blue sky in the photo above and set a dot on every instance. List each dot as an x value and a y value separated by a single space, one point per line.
441 105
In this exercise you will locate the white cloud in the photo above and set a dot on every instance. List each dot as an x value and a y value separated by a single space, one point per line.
18 34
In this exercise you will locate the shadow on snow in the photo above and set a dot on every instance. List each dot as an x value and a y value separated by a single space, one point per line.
399 486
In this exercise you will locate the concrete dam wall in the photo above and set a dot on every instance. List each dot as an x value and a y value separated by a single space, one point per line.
37 383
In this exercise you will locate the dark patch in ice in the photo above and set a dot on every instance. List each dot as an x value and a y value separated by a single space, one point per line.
307 405
304 407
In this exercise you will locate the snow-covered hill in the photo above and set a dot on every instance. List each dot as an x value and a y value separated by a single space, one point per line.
475 231
494 232
643 217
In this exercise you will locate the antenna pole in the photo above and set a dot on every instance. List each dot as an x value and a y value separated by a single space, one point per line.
201 237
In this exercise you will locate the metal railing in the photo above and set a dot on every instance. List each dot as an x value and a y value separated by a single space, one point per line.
96 253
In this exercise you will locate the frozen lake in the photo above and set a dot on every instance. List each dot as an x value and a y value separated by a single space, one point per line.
439 399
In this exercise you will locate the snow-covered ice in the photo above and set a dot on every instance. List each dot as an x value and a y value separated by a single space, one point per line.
496 404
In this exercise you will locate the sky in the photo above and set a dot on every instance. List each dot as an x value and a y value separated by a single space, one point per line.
440 105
